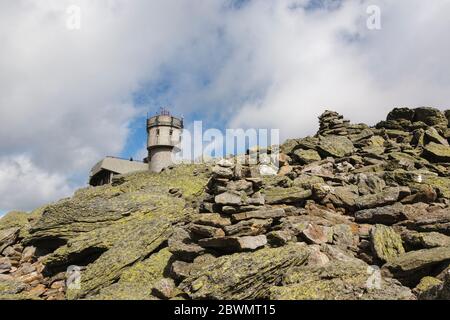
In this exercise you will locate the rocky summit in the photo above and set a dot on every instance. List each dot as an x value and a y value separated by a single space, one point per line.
354 212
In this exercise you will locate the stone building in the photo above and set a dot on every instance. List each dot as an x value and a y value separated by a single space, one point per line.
103 172
163 134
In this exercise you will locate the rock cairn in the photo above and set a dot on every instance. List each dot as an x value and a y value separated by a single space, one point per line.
332 123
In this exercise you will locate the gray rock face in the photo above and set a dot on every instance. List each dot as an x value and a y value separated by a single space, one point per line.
385 215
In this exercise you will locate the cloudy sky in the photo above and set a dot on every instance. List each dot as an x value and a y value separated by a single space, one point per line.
69 96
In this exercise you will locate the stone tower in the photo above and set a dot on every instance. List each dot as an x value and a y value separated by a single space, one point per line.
164 133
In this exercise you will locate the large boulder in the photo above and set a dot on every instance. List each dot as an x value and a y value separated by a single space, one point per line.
276 195
8 237
136 282
345 279
401 114
335 146
437 152
411 266
387 215
430 116
243 276
386 243
306 156
95 208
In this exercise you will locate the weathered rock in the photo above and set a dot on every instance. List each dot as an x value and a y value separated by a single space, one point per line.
412 266
240 185
339 196
276 195
203 231
385 215
5 265
181 245
432 135
386 197
211 219
137 281
318 234
260 214
28 254
306 181
96 208
344 236
8 237
386 243
423 218
335 146
164 289
437 152
370 183
243 275
401 114
349 279
179 270
306 156
222 172
250 227
10 287
281 237
229 198
424 240
138 242
428 288
233 244
430 116
316 257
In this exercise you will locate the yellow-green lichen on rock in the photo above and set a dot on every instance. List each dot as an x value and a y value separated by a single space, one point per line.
338 280
136 282
92 208
247 275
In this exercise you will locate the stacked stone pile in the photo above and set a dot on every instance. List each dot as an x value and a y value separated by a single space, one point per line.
331 122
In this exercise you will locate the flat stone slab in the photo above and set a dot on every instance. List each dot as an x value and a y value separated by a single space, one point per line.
260 214
234 244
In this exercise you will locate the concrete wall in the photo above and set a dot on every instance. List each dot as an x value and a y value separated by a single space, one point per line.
164 132
161 157
163 136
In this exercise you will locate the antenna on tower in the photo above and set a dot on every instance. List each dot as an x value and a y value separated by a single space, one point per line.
164 111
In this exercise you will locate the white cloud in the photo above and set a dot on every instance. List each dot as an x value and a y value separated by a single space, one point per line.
66 96
21 182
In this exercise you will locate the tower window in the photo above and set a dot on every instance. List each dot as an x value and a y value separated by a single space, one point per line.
157 132
171 132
